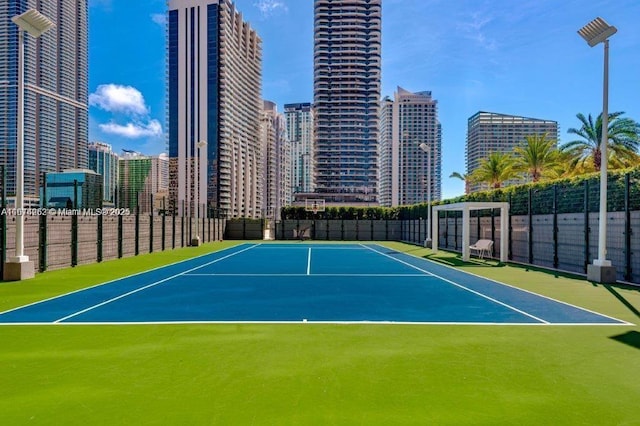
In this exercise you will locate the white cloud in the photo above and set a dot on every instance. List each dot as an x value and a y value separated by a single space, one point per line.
117 98
133 130
474 28
159 18
269 7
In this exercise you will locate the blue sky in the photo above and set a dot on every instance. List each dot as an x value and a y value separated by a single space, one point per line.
506 56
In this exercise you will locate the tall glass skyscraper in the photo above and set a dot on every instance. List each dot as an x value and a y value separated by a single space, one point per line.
346 98
299 119
56 91
214 95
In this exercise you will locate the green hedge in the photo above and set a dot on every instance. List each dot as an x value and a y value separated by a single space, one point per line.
570 193
346 213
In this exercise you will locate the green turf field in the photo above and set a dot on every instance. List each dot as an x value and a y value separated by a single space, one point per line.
315 374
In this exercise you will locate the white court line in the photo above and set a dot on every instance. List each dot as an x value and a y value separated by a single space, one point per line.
398 260
309 262
468 289
514 287
300 322
276 246
115 279
90 308
303 275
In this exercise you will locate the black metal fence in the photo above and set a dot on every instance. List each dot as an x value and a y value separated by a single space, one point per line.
56 239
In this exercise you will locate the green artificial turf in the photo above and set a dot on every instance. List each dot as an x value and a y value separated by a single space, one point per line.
318 374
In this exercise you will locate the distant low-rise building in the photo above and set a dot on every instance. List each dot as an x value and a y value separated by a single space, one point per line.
71 189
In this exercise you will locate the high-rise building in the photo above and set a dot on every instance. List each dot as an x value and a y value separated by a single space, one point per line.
214 96
489 132
346 90
55 91
385 146
276 152
143 181
104 161
299 119
407 171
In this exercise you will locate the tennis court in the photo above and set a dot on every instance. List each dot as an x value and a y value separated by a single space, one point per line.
312 283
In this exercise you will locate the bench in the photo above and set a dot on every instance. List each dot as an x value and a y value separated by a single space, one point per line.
482 248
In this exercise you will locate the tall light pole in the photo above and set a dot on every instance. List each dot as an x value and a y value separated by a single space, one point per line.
595 32
19 267
427 149
196 191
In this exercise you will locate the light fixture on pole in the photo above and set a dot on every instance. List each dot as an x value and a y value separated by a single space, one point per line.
427 149
196 190
595 32
19 267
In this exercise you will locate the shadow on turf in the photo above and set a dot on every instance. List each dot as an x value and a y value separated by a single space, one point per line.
631 338
457 261
612 289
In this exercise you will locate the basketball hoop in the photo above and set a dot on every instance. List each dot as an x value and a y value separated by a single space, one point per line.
314 205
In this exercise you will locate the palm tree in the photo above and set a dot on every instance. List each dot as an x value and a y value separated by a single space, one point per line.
495 170
538 157
623 135
463 177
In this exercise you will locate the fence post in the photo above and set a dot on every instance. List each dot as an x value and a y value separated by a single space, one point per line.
120 216
164 222
510 250
530 226
3 220
120 226
42 228
555 226
173 228
327 229
244 228
386 229
182 224
74 225
99 230
627 228
586 225
137 230
372 229
151 226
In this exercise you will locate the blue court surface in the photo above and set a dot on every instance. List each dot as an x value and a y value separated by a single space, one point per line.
335 283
